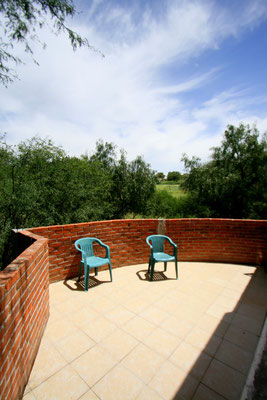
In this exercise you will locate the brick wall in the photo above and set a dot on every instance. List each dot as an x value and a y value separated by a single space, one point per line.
126 239
218 240
24 311
24 284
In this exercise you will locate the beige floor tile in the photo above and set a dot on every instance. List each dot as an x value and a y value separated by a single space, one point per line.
99 329
241 337
190 360
119 344
162 342
136 304
118 296
143 362
152 295
56 295
168 304
74 345
90 395
27 389
177 326
235 294
102 304
218 374
213 325
171 382
118 384
93 365
139 327
148 394
250 324
225 301
203 340
83 317
204 393
196 309
154 314
59 329
234 356
191 314
69 306
65 384
256 296
252 311
221 312
29 396
119 315
54 315
47 362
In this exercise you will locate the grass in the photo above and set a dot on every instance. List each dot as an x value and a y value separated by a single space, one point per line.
174 190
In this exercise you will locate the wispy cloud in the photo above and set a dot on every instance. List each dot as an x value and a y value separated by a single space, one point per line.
128 97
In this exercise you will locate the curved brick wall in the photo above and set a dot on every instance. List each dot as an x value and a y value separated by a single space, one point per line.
24 284
24 311
217 240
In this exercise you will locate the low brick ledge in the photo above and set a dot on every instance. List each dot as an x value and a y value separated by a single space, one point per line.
24 312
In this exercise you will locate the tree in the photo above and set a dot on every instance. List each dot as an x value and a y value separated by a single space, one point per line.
174 176
142 185
40 185
234 183
160 176
20 22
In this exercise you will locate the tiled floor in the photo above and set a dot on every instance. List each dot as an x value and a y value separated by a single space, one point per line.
133 339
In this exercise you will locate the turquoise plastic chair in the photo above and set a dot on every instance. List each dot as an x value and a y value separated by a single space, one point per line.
156 244
89 260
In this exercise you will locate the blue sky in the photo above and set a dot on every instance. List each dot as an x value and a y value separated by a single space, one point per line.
174 75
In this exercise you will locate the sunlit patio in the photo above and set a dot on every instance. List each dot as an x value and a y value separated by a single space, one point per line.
193 338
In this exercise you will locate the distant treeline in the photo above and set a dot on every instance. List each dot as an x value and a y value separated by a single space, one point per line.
42 185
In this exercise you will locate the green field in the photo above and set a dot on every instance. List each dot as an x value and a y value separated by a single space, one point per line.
174 190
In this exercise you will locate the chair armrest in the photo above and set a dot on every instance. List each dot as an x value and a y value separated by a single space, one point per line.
150 245
174 245
170 241
77 247
105 247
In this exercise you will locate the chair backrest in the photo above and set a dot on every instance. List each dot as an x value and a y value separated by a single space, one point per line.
86 245
157 242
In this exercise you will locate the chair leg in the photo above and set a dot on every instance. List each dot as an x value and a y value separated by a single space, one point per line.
110 271
96 271
149 265
152 270
80 271
165 266
176 268
86 278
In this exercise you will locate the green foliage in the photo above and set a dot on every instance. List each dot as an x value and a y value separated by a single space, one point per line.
172 188
234 183
160 176
164 205
174 176
20 20
41 185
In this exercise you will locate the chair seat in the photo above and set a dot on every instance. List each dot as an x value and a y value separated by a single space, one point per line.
89 260
157 254
163 257
95 262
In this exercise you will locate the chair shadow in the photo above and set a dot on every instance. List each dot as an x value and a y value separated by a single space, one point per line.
158 276
79 285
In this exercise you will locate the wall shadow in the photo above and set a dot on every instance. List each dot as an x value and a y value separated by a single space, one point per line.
221 369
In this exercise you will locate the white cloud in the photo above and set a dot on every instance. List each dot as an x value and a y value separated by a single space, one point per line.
78 98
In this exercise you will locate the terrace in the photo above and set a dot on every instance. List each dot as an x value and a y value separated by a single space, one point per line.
194 338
